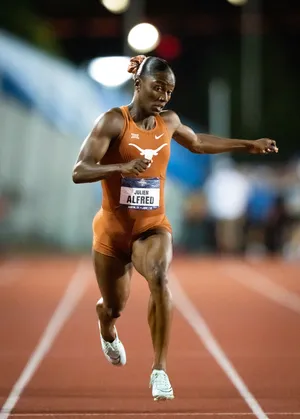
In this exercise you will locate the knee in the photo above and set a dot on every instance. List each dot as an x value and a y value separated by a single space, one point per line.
157 277
110 309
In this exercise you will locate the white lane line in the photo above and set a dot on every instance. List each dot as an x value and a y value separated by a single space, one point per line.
66 306
250 278
146 414
200 327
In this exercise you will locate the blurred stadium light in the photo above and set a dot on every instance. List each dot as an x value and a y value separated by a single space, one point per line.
237 2
170 47
109 71
143 37
133 16
116 6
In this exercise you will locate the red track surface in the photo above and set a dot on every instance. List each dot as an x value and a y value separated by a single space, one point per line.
258 335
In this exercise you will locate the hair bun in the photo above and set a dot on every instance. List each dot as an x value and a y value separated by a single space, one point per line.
135 62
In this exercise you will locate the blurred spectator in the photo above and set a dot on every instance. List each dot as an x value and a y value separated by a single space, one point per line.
276 227
196 229
267 217
262 198
227 191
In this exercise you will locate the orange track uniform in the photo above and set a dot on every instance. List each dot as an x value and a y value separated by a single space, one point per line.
133 204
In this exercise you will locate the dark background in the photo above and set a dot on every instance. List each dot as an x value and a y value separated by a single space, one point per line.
208 34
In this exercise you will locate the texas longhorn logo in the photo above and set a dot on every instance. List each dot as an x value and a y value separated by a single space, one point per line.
148 153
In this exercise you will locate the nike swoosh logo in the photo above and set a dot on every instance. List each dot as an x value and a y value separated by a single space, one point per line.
158 136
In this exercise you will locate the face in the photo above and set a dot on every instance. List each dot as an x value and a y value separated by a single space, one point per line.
155 91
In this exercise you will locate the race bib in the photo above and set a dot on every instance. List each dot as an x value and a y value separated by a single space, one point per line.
141 194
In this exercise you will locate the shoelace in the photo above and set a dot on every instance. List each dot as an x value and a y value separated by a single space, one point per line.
161 379
111 350
110 346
